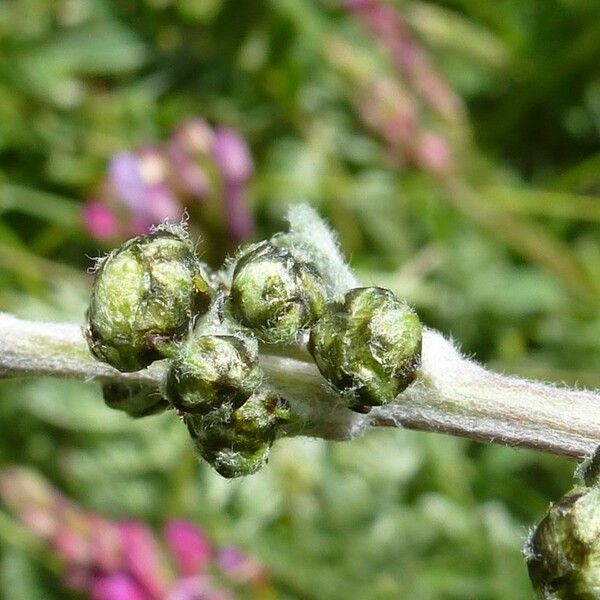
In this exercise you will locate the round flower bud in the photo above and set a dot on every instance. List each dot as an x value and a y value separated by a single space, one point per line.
144 296
213 372
368 347
563 552
136 400
276 294
240 445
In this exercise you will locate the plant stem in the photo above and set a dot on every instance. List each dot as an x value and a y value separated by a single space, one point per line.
452 395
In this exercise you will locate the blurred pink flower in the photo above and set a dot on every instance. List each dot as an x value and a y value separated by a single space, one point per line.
139 182
389 110
159 202
107 551
195 136
187 173
239 566
433 153
142 557
154 183
232 156
72 546
123 561
116 586
100 220
410 59
235 163
125 180
239 217
189 546
189 151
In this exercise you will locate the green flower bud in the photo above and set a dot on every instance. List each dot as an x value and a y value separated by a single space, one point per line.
143 299
240 445
135 399
276 294
368 347
213 372
563 552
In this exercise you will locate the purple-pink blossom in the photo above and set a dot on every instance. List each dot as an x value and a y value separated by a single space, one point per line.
388 26
154 183
139 181
141 556
232 156
100 220
125 560
240 566
189 545
116 586
125 180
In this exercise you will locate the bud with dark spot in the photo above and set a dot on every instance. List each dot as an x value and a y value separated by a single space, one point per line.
276 294
368 347
240 445
213 373
144 297
563 552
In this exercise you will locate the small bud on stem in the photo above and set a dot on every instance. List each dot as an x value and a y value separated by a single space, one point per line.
240 445
275 294
213 372
563 552
368 347
143 299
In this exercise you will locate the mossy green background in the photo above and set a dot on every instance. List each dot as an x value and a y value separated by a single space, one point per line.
396 514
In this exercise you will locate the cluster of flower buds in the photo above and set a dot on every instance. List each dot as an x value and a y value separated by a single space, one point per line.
563 551
110 560
198 164
153 299
216 384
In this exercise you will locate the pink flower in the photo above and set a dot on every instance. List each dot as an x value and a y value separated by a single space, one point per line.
125 181
189 546
232 156
195 137
388 26
239 566
106 547
138 181
100 220
187 173
190 154
117 586
73 546
234 161
159 202
153 183
239 217
142 558
433 154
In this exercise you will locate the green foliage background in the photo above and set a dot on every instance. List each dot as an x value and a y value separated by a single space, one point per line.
396 514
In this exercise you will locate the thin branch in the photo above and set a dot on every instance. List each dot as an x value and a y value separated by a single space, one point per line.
452 395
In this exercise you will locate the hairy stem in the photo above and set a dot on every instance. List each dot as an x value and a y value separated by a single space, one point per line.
452 395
